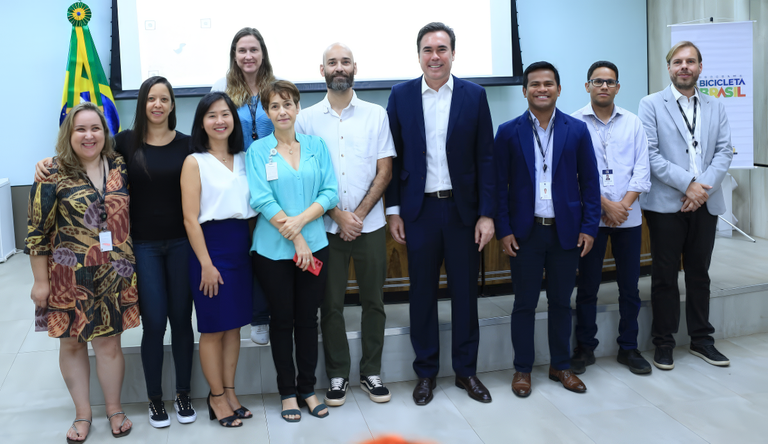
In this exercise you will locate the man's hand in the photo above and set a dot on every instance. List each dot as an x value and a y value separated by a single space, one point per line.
483 231
350 225
509 245
397 228
695 196
615 213
587 241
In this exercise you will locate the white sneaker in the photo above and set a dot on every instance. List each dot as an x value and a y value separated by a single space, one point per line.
260 334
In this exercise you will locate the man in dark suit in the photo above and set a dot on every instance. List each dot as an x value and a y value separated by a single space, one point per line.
441 198
548 213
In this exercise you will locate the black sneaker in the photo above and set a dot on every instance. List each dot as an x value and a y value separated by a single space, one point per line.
582 357
375 389
710 354
337 392
185 413
634 360
662 358
158 418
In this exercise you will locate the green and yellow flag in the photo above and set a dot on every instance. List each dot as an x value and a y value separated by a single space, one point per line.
85 79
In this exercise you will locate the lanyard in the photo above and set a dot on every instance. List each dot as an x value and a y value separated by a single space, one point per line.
100 195
252 107
538 141
606 140
692 129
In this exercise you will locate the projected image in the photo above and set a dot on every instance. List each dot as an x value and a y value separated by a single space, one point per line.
189 43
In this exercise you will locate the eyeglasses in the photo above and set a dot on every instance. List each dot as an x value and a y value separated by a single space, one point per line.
597 83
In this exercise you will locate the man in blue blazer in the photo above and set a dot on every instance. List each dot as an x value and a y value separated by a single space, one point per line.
548 213
441 198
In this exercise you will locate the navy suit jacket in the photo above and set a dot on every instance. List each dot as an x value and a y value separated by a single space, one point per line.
469 150
575 180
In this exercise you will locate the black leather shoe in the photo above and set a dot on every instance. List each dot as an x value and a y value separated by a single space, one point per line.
475 389
582 357
662 358
634 360
422 394
710 354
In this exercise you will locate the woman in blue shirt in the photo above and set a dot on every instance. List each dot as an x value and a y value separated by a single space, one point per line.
292 185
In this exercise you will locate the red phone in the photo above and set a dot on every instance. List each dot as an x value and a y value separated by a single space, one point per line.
318 265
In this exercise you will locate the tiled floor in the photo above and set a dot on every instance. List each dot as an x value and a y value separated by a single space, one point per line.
694 403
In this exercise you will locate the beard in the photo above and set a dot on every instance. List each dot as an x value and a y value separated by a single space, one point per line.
336 82
685 84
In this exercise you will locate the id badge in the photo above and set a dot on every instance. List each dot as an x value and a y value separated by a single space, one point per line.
271 171
607 176
545 190
105 240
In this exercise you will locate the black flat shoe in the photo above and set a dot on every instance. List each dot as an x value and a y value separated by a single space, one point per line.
241 412
225 422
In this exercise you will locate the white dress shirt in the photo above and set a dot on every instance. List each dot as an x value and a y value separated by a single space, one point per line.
694 154
543 207
356 140
622 146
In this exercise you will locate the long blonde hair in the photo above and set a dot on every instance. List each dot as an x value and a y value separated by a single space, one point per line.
66 158
237 88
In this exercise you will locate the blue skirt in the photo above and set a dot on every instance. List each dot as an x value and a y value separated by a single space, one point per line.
228 243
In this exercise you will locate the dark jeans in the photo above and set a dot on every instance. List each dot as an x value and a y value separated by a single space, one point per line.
691 235
294 297
260 304
625 247
164 295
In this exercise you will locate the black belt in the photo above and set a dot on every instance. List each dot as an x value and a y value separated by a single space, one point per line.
442 194
546 221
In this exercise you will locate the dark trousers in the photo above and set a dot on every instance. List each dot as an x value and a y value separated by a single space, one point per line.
691 235
539 251
294 297
164 295
625 247
438 233
370 258
260 304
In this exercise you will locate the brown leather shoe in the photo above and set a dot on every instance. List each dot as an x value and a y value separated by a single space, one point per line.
422 394
475 389
569 380
521 384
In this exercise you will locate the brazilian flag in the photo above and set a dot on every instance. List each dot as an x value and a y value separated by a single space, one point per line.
85 79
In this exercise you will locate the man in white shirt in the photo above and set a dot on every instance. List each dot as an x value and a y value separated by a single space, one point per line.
360 144
689 146
621 151
441 202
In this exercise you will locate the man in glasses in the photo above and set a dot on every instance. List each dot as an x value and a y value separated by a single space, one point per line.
689 144
621 151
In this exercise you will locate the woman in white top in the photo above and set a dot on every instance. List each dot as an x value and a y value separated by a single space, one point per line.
215 202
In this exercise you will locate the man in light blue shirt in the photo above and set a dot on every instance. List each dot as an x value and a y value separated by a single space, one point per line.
621 151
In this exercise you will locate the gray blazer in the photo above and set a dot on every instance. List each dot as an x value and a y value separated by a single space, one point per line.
667 143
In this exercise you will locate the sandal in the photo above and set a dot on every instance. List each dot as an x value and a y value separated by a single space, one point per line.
121 433
72 441
241 412
287 412
225 422
319 407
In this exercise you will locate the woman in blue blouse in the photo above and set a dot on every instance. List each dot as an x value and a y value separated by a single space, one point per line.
292 185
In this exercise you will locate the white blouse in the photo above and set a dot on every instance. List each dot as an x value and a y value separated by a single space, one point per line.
224 194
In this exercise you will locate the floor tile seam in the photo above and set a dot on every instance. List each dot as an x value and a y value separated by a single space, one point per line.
684 425
352 392
2 383
566 416
466 420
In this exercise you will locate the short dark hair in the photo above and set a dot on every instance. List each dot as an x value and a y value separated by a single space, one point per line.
539 66
435 27
282 88
602 64
199 138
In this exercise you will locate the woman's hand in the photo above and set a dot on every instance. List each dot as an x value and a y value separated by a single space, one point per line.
305 258
40 292
210 281
291 226
41 169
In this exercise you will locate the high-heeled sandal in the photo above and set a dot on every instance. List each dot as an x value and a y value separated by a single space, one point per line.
242 410
319 407
225 422
121 433
293 412
73 441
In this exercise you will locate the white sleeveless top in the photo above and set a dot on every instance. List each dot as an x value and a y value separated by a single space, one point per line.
224 194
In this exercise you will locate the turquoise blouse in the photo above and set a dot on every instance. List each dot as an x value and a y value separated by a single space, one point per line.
293 192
